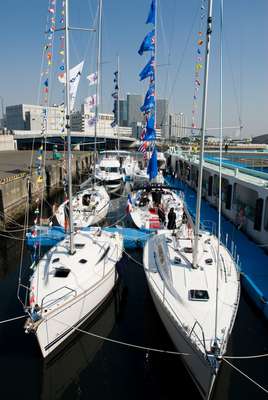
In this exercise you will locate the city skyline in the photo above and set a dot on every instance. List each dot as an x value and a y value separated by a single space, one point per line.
245 56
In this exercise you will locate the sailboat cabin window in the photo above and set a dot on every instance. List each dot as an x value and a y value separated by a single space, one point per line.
198 295
61 272
79 245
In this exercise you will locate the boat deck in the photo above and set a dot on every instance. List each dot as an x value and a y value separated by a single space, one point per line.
191 294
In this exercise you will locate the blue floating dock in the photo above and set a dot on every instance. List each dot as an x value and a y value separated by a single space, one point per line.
133 238
45 236
50 236
254 261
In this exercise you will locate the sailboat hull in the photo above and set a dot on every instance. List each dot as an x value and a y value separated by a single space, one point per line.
57 326
198 367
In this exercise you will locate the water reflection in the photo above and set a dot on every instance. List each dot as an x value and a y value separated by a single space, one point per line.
61 375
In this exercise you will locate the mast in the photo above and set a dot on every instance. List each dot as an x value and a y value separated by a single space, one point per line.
97 86
67 102
202 140
155 60
118 112
220 174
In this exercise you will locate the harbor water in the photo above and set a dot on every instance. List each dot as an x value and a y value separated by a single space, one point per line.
91 367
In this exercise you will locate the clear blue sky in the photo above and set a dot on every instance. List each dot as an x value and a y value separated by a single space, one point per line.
22 26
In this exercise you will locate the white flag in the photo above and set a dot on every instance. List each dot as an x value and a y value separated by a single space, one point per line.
75 74
91 101
93 78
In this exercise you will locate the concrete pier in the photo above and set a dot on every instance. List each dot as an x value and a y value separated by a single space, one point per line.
20 183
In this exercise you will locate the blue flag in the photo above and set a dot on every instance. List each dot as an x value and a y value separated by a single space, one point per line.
148 42
150 122
149 135
149 104
149 101
152 165
148 70
151 15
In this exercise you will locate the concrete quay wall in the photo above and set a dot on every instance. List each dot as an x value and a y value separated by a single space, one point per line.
20 189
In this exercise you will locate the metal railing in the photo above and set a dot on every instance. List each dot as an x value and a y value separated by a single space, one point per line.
59 298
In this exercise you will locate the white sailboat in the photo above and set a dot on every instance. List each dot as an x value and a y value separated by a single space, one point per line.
145 212
72 280
194 283
90 205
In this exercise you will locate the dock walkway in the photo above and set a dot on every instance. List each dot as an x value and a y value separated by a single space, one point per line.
254 261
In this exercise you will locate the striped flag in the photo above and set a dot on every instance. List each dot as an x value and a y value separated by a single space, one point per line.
142 149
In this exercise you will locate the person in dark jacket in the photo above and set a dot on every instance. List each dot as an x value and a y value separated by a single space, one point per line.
171 219
161 214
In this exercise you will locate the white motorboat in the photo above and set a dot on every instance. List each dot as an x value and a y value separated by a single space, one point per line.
130 167
145 212
90 206
108 173
66 289
141 177
161 160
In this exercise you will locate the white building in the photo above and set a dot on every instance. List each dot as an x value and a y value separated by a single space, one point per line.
177 126
83 121
31 117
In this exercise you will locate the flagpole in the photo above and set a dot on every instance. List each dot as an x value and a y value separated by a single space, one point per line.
118 102
97 87
67 101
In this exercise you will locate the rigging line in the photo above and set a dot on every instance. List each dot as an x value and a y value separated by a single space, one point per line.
13 230
133 259
13 319
90 7
183 54
124 343
245 375
9 219
165 42
172 35
50 70
26 220
11 237
116 222
246 357
237 103
42 59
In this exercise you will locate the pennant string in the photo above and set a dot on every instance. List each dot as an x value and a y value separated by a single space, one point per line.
198 66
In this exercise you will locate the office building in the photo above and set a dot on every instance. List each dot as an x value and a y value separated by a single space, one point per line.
162 117
84 121
177 126
31 117
123 112
134 114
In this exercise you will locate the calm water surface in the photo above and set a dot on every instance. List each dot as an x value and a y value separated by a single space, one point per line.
90 368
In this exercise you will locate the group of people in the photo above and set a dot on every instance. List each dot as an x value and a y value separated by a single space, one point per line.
157 204
171 217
